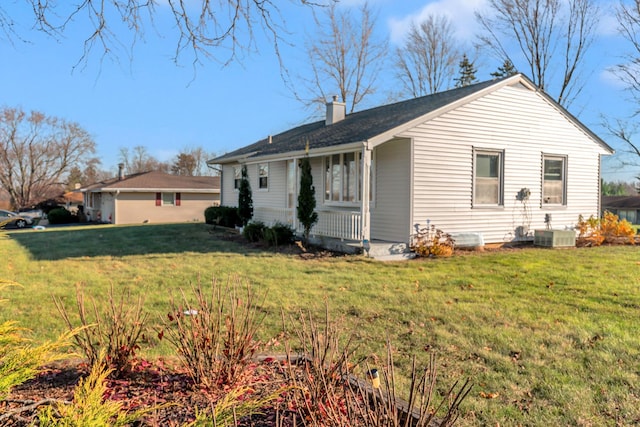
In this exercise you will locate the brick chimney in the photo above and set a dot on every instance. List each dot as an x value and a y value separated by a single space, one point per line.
120 171
335 111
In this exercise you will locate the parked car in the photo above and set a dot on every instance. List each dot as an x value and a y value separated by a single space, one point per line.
32 213
15 219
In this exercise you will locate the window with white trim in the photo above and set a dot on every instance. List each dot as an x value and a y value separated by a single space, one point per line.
488 178
263 176
168 199
554 182
291 183
237 177
343 178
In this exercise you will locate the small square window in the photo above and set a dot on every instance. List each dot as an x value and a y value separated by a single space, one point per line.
168 199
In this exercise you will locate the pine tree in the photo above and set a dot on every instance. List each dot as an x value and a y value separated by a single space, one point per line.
467 73
306 198
245 199
507 69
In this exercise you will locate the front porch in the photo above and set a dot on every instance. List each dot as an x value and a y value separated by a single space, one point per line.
338 230
335 224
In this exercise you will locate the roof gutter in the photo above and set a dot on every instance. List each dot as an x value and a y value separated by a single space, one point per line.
148 190
231 159
314 152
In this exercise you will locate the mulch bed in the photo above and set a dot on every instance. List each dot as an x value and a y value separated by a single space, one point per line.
146 386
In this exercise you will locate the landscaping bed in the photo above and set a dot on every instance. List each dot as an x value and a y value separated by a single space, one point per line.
158 385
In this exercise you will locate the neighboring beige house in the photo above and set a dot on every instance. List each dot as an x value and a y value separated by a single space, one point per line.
154 197
493 159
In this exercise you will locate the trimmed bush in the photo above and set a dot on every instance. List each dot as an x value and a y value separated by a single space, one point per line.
279 234
61 216
254 231
224 216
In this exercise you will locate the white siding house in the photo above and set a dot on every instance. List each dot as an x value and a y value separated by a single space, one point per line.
461 160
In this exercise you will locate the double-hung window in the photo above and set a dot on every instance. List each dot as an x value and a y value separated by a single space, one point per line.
291 183
237 176
488 178
263 176
554 180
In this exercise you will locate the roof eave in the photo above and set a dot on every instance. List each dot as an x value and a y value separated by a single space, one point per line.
232 159
155 189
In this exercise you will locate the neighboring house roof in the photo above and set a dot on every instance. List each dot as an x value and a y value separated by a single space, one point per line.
367 125
158 181
621 202
72 197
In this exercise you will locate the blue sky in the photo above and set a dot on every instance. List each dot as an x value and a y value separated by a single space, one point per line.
151 101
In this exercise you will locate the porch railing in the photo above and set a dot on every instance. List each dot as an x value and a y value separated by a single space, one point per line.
331 223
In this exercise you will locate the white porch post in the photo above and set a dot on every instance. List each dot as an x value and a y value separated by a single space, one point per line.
292 207
366 186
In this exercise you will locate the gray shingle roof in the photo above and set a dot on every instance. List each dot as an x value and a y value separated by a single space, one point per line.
155 180
356 127
621 202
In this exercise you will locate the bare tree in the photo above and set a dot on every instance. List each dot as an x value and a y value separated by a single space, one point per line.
345 57
220 29
139 160
192 161
91 174
551 36
626 129
428 60
37 152
185 165
629 70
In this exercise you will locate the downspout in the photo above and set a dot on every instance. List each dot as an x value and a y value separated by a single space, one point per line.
219 170
365 202
115 208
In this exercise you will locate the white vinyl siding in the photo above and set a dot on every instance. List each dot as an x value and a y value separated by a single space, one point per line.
229 194
390 214
276 196
524 126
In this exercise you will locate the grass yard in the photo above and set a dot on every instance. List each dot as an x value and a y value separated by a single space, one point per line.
549 337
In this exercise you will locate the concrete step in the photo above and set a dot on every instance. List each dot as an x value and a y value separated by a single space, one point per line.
377 250
395 257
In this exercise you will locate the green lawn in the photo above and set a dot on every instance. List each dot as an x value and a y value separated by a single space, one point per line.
549 337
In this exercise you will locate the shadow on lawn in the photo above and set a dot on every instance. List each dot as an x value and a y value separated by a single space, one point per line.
108 240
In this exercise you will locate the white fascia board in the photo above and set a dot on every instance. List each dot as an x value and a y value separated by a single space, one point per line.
234 159
392 133
316 152
157 190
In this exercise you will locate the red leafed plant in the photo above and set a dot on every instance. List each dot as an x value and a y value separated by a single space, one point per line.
115 329
214 335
